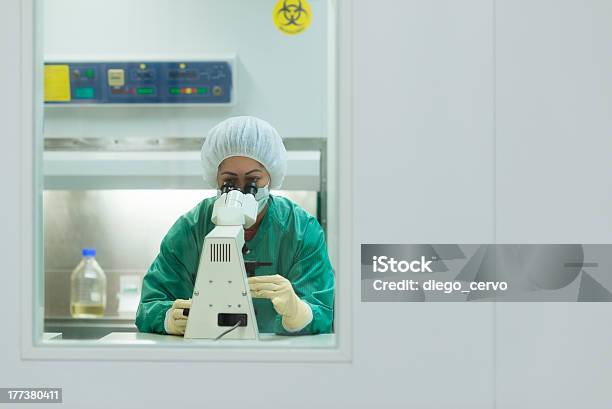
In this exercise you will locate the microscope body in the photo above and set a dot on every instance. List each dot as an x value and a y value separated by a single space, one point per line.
221 297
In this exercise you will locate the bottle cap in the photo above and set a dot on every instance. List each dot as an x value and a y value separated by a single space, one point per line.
88 252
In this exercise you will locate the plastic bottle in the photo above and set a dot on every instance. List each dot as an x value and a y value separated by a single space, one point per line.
88 287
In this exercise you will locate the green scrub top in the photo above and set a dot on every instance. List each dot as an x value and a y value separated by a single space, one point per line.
288 237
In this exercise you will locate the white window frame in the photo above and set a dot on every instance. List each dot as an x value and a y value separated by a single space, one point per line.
340 219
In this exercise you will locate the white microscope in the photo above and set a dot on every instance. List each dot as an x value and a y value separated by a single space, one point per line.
221 303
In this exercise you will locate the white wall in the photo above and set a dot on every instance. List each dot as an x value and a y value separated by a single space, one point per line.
554 160
281 78
426 131
423 156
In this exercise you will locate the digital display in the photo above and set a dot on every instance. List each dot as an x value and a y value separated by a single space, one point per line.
184 75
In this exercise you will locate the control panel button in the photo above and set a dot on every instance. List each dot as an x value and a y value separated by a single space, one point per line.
116 77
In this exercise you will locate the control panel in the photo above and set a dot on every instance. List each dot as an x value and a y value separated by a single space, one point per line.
142 82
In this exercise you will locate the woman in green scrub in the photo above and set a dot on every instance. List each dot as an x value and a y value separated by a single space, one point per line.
293 296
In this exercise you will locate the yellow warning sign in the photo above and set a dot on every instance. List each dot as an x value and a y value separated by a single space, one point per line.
292 16
57 83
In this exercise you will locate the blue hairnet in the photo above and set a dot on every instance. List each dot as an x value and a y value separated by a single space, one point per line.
244 136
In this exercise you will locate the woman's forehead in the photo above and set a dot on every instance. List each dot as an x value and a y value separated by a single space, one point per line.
240 164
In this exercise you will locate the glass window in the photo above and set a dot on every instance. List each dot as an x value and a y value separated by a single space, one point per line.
135 213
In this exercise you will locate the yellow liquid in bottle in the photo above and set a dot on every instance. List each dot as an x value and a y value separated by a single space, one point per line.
79 310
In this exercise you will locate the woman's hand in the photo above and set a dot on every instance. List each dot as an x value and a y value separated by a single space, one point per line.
176 322
296 314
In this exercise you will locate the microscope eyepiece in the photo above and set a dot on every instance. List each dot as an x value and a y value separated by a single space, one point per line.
250 188
227 187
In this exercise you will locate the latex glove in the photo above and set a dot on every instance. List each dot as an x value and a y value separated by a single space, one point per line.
296 314
176 322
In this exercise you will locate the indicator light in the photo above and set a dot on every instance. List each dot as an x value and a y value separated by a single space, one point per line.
144 91
84 93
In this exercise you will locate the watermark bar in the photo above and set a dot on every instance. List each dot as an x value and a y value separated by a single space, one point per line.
486 272
30 395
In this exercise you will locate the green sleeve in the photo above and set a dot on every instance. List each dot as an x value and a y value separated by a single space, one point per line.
171 276
312 278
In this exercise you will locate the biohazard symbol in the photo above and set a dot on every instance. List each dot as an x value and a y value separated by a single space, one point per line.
292 16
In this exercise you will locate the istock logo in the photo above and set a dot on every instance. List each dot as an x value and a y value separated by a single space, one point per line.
383 264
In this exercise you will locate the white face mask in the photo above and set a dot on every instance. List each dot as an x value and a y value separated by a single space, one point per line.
262 195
